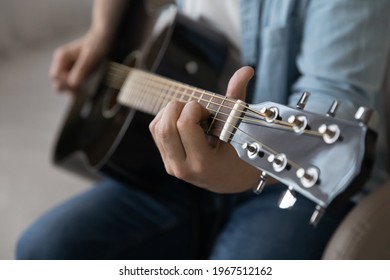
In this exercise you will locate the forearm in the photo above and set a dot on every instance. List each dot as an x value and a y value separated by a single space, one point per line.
106 16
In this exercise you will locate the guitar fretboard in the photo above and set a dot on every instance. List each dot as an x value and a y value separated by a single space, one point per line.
150 93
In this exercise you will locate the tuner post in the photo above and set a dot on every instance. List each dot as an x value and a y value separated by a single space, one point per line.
303 100
262 182
333 108
317 215
367 116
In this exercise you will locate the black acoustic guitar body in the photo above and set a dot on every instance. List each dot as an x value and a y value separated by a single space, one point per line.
100 135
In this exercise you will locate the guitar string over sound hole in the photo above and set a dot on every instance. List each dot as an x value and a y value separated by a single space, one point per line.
116 78
110 107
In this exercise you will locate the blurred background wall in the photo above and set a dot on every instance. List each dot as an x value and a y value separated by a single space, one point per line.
31 112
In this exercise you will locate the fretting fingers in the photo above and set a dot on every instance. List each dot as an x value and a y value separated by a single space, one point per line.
166 136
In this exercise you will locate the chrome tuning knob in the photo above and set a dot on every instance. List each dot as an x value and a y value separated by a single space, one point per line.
253 150
330 133
270 114
279 162
298 123
309 177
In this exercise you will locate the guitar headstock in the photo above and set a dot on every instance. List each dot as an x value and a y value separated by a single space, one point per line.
319 156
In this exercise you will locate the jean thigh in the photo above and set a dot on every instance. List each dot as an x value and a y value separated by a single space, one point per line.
258 229
113 221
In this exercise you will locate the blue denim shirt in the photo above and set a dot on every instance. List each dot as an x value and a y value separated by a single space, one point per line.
335 49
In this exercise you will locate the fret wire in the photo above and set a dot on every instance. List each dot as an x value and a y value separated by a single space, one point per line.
161 100
215 115
192 95
149 100
165 90
145 98
170 96
210 100
141 97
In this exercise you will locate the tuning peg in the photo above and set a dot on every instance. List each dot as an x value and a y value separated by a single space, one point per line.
279 162
260 186
317 215
330 133
270 114
303 100
299 123
333 108
367 116
253 149
309 177
287 199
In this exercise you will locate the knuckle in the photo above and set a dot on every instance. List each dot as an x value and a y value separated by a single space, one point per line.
162 131
181 123
59 53
152 126
174 105
199 168
182 173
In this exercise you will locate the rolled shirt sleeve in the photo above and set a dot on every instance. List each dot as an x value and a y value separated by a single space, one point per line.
343 55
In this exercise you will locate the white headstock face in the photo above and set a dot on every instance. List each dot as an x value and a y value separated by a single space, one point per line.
318 156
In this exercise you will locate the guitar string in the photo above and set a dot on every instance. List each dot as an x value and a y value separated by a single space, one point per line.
265 147
242 119
164 81
253 113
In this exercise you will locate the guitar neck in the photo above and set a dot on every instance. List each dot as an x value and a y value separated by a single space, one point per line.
150 93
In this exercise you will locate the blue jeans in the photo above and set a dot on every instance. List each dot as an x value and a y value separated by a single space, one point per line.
177 221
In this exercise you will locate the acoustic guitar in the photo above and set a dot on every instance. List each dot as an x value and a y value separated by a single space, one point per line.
322 157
